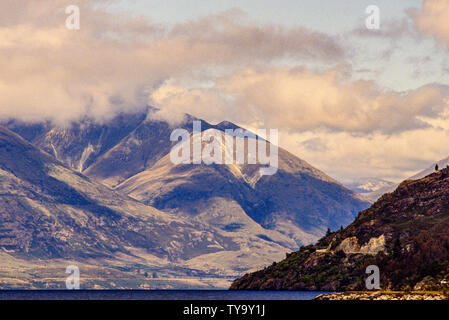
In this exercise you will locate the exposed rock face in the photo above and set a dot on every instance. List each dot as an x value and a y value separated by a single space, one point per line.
351 246
405 233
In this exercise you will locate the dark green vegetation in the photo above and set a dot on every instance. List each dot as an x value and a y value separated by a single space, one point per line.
405 233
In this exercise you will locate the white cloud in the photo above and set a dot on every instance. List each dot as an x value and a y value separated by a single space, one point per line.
113 61
297 99
224 67
433 20
349 129
348 157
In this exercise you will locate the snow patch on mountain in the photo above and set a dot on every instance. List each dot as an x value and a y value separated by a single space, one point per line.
84 156
367 185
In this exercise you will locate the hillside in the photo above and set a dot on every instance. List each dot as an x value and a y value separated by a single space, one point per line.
51 212
376 194
130 153
405 233
298 201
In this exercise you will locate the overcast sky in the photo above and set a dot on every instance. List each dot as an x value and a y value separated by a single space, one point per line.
351 101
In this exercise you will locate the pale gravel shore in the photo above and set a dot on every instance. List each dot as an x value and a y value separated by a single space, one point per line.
383 295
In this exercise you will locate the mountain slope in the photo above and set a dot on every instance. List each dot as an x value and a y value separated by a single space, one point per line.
131 154
49 211
141 149
298 201
405 233
376 194
81 144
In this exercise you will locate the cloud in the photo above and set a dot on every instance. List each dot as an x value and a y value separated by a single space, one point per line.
226 67
433 20
315 144
348 157
392 29
231 36
299 99
346 128
115 61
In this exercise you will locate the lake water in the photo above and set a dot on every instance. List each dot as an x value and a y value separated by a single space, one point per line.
155 295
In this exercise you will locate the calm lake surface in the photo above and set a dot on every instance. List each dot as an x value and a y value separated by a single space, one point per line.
155 295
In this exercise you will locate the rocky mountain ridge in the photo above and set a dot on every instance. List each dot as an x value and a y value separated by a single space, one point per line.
131 154
52 213
405 233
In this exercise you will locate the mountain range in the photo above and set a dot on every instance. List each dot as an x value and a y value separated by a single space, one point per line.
92 192
130 153
51 213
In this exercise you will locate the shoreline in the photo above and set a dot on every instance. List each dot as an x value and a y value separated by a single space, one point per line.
384 295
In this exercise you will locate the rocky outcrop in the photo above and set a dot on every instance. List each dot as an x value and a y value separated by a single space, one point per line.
351 246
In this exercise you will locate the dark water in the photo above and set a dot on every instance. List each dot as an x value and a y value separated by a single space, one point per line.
155 295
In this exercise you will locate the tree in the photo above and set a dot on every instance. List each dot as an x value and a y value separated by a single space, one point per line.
328 232
397 248
436 167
